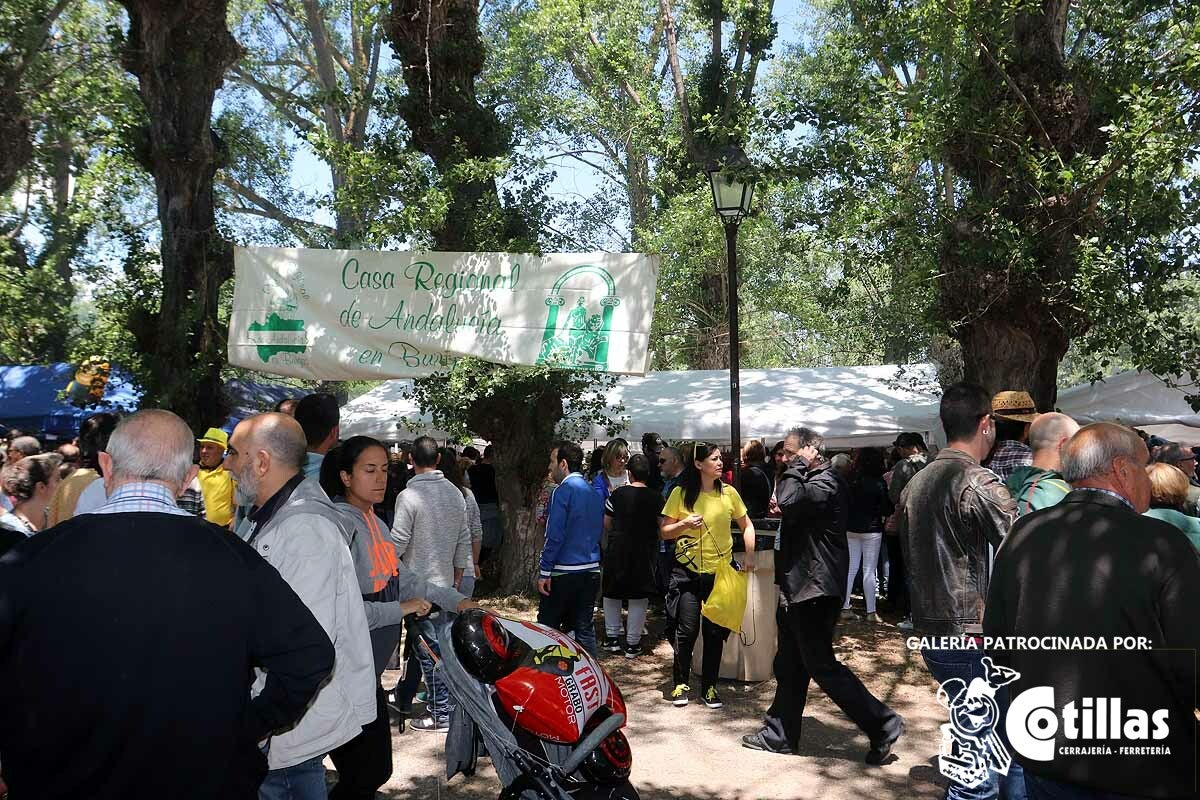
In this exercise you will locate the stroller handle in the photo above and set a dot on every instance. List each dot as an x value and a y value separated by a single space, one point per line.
591 742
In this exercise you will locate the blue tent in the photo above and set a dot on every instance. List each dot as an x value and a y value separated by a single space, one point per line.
250 397
29 399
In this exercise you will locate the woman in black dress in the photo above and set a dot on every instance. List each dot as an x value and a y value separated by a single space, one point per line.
631 519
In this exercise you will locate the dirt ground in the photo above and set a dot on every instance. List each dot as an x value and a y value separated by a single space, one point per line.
695 752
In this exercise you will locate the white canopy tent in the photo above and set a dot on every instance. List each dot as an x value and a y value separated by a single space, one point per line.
852 406
379 412
1132 398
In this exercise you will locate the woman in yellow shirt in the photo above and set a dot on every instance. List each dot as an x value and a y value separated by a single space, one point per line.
697 518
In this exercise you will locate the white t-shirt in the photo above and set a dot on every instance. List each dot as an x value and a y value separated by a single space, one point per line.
617 482
91 497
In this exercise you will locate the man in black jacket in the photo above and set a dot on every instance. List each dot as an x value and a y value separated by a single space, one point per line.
172 613
811 561
1093 566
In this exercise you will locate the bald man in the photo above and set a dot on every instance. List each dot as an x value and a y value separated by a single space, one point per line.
1095 568
298 530
173 612
1041 485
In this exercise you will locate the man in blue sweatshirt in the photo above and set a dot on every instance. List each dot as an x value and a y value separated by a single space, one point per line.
569 571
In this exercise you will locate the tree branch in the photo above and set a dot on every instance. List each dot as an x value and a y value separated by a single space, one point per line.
685 112
35 37
628 89
315 20
279 99
300 228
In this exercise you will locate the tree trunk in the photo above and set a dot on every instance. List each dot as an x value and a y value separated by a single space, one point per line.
440 49
442 53
1004 354
520 425
16 133
1014 310
179 51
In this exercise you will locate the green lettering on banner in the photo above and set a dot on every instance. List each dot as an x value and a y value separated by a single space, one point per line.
412 357
426 277
366 279
396 317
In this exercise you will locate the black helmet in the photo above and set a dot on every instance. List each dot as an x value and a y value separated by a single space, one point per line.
484 646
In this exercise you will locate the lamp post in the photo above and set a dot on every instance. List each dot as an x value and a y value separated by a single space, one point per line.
732 191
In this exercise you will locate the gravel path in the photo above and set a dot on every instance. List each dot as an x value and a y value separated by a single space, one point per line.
695 753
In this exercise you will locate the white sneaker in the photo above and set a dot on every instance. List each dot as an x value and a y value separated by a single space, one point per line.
905 624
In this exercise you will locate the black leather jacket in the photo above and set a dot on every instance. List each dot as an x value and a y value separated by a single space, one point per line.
950 512
812 558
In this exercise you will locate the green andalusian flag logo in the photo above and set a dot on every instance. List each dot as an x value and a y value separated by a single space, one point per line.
582 341
279 334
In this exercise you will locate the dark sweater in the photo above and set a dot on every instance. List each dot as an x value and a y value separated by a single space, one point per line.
1090 566
126 648
869 504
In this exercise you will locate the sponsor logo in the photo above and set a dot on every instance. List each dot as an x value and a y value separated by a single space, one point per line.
556 658
1098 724
568 689
970 745
1094 726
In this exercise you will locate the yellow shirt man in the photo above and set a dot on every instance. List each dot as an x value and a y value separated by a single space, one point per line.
216 483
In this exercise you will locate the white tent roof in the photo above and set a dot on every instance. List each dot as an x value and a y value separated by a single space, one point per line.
852 406
378 412
1132 398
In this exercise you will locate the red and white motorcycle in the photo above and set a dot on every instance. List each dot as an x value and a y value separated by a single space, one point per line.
545 711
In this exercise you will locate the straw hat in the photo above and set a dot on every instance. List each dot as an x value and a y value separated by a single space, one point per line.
1017 406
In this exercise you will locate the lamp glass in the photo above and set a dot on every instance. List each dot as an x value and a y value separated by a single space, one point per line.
731 196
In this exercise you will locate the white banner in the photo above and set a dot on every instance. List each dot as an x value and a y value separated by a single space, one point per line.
351 314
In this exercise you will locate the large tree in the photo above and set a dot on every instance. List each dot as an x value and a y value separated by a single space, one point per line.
70 167
1032 159
644 94
180 51
517 409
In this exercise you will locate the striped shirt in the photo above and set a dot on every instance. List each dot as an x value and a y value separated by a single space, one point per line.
142 496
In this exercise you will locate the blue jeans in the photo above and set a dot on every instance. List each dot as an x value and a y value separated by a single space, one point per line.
303 781
466 587
968 664
439 702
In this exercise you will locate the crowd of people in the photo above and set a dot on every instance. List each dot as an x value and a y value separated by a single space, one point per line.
182 564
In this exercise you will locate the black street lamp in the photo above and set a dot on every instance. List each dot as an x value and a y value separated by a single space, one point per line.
733 190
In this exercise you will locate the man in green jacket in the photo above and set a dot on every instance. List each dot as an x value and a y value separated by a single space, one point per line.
1041 485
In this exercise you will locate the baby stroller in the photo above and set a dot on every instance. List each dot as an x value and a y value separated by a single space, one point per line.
540 707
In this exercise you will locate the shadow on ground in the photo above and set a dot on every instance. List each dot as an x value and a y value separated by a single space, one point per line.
695 753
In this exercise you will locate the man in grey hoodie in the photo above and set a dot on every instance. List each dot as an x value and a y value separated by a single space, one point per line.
433 540
297 529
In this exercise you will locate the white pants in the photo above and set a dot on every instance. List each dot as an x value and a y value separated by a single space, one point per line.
864 550
636 622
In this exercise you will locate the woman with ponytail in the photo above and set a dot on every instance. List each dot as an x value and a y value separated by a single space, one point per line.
697 518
